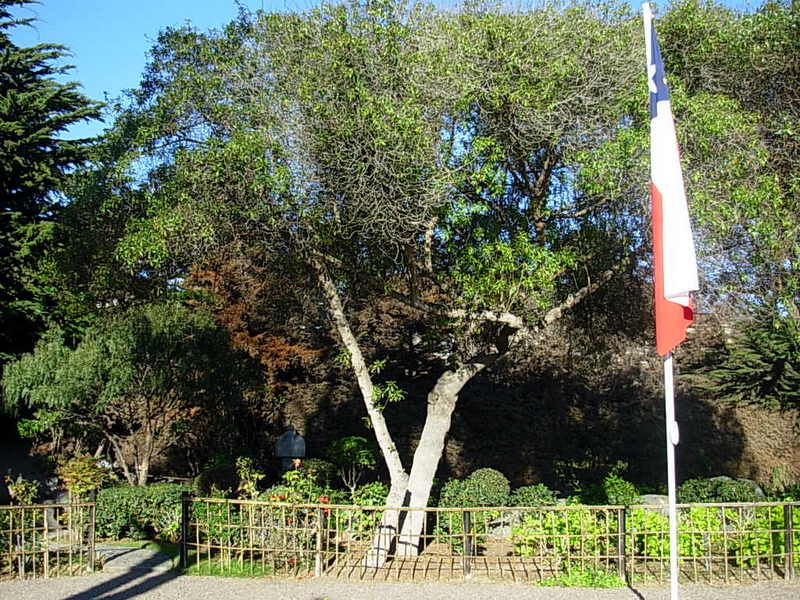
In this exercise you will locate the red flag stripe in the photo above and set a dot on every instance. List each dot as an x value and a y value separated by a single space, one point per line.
672 319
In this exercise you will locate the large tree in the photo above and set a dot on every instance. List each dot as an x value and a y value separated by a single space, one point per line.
36 109
484 170
388 151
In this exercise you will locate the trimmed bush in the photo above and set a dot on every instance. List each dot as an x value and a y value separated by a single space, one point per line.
486 487
140 511
717 489
533 495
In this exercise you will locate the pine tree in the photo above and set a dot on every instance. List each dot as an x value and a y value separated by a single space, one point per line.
760 365
35 111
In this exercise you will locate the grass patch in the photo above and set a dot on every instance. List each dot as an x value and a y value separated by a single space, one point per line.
220 567
586 578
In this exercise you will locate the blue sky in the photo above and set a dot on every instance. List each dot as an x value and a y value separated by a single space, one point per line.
109 39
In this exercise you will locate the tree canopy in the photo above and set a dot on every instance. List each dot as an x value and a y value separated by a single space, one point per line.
447 188
35 158
142 382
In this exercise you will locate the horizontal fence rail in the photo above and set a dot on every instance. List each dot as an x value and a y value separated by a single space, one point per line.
718 543
46 540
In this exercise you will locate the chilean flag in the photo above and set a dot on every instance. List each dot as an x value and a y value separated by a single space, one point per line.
673 248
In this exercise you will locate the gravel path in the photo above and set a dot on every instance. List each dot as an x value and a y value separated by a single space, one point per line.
169 586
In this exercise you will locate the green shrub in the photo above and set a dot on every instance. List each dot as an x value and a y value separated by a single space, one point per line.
140 511
564 534
82 476
618 491
248 477
371 494
717 489
533 495
357 522
486 487
353 456
451 493
21 490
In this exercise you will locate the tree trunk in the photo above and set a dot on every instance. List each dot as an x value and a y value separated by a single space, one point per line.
120 456
143 470
389 526
442 401
389 451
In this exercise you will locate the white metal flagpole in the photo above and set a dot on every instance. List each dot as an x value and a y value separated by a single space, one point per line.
674 261
673 437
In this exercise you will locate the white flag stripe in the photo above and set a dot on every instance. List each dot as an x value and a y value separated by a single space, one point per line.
679 259
680 264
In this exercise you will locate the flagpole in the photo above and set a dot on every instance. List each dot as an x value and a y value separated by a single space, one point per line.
673 437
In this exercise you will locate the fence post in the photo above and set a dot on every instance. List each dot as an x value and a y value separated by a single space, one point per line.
185 499
467 527
788 541
93 510
318 555
621 543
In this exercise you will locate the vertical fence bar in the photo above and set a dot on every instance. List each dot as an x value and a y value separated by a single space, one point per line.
788 542
318 554
621 526
184 559
467 527
92 525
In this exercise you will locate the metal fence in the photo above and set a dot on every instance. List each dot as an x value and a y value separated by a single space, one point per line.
718 543
46 540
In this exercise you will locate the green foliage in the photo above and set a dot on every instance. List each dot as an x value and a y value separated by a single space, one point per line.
142 379
36 109
321 470
501 274
563 534
717 489
747 535
586 578
532 495
617 490
21 490
385 393
371 494
81 476
486 487
302 486
249 477
140 511
759 365
748 190
647 529
353 456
